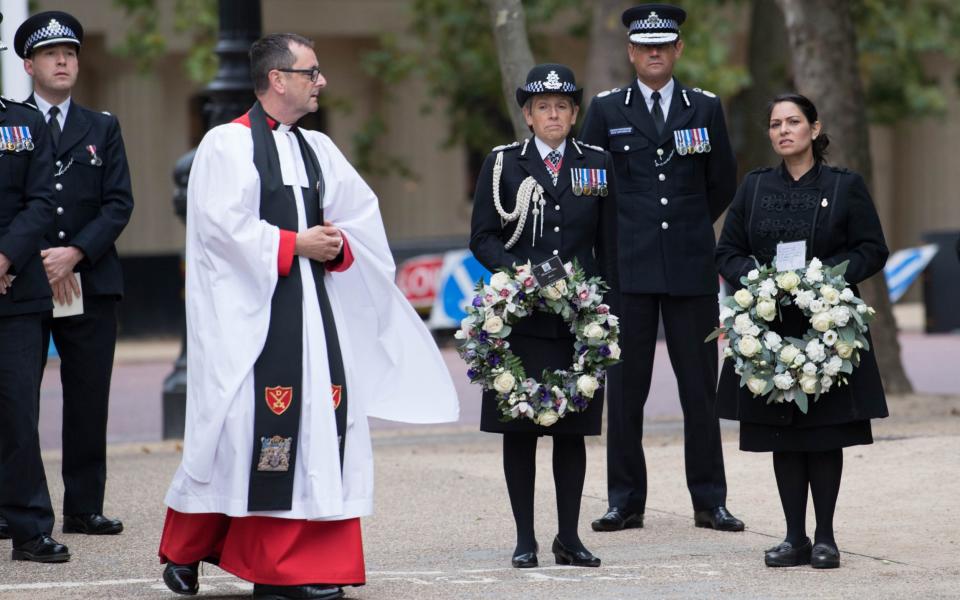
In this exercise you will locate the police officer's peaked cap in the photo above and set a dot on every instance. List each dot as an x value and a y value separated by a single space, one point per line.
652 24
46 29
549 79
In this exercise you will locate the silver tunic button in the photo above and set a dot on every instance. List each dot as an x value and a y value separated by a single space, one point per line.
556 207
556 252
626 146
664 201
824 203
662 177
58 187
556 229
59 210
664 225
61 235
659 151
59 163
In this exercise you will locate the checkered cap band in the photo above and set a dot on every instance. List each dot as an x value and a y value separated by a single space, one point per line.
539 87
53 32
652 25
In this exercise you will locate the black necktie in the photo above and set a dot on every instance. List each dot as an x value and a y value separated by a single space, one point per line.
55 130
658 120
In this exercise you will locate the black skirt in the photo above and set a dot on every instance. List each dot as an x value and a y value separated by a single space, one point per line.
758 437
538 354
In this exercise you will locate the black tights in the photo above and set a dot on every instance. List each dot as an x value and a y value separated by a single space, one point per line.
569 469
818 471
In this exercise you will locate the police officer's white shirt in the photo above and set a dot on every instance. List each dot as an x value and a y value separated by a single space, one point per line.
545 148
666 96
45 106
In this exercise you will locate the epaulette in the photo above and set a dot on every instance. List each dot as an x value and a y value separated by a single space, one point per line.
591 146
106 112
506 147
706 93
6 100
606 93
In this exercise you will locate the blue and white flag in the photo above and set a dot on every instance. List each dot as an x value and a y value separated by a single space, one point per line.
904 266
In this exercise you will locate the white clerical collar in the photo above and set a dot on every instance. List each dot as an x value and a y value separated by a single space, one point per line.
45 106
545 149
283 127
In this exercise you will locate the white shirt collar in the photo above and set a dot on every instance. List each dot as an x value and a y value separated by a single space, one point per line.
545 149
44 107
666 95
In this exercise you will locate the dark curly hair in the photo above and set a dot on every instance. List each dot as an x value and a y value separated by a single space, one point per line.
810 112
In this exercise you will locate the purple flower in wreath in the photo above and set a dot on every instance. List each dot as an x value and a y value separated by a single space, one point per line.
584 349
604 350
494 360
470 354
483 337
472 374
579 401
477 301
521 296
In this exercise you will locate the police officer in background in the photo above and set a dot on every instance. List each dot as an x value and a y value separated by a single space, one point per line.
676 173
26 211
93 202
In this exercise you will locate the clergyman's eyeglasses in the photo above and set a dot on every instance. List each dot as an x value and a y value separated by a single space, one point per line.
313 73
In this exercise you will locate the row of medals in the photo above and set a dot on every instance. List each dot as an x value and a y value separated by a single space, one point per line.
586 184
691 141
15 139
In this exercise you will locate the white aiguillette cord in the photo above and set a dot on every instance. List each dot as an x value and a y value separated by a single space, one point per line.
529 190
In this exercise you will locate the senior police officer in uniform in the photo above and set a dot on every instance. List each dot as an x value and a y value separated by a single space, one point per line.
26 211
93 199
676 173
546 198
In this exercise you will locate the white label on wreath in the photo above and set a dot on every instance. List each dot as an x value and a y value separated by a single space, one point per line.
791 255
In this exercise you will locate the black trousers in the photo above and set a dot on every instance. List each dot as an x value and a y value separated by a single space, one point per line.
24 497
86 345
687 320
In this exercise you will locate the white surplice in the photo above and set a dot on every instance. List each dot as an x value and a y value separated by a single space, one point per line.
393 367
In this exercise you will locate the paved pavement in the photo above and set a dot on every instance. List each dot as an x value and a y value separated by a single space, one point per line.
443 530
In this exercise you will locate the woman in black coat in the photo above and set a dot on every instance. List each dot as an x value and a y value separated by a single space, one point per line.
581 227
830 208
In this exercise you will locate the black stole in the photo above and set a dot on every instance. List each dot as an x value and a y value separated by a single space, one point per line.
278 371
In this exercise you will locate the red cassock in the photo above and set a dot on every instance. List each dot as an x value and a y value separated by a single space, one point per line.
267 550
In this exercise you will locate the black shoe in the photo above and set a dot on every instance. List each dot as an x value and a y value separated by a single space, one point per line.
577 558
526 560
718 518
4 529
824 556
786 554
42 549
316 591
617 519
181 579
91 524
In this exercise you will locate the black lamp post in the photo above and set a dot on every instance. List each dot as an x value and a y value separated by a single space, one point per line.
230 94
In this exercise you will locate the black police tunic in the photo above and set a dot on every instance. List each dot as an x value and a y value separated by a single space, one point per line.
831 210
574 227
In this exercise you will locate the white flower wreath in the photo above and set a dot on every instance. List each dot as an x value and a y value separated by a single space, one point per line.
514 294
793 369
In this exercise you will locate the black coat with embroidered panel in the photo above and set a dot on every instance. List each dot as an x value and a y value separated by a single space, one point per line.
831 209
574 227
667 201
93 196
26 208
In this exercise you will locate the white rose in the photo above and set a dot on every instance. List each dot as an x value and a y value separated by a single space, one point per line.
813 275
832 366
499 280
767 309
754 331
783 381
753 275
815 264
826 382
773 341
815 351
840 315
493 325
587 385
800 359
594 331
725 313
846 295
830 337
817 305
548 418
768 288
727 352
789 353
788 280
743 297
844 350
821 321
504 382
809 369
614 351
803 298
756 385
742 323
808 385
830 294
748 345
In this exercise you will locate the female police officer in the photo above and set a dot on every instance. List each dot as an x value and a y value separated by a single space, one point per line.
568 224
